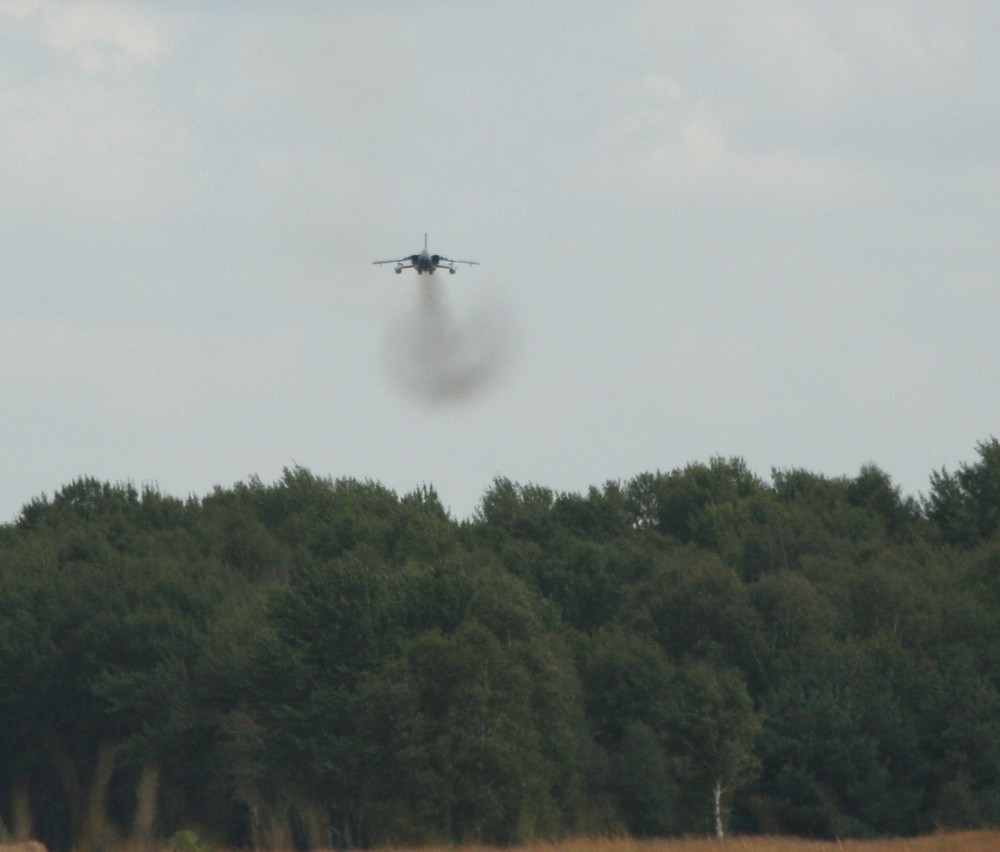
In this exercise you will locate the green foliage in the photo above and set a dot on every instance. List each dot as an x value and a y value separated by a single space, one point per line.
644 784
965 506
318 663
675 503
187 840
840 750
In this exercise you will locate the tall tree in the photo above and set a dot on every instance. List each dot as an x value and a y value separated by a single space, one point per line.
713 727
109 620
965 505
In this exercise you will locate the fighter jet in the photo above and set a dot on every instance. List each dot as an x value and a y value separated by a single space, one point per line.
426 262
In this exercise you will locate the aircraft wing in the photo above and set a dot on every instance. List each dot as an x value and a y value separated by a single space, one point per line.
401 260
470 262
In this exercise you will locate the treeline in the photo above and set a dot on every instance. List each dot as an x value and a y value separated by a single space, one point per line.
319 663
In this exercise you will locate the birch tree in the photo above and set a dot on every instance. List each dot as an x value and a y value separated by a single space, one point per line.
714 728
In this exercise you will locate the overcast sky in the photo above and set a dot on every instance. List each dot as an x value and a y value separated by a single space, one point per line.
765 230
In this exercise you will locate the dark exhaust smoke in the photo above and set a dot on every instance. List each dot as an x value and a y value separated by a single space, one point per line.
438 358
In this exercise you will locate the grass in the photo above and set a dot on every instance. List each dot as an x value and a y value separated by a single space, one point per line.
962 841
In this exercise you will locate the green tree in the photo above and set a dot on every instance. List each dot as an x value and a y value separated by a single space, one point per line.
965 506
519 512
692 603
481 759
626 678
838 749
335 623
713 726
486 648
627 681
95 664
674 503
794 618
873 490
644 783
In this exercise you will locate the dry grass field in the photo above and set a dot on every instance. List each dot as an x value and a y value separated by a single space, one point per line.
965 841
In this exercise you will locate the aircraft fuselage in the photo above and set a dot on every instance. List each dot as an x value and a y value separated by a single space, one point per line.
425 262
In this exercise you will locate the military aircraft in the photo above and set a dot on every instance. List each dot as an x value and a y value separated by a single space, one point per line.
426 262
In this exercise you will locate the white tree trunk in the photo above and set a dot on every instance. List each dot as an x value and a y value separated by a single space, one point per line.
717 804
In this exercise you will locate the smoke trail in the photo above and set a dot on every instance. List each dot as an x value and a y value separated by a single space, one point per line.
439 358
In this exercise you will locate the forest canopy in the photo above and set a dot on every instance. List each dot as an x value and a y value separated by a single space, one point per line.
321 662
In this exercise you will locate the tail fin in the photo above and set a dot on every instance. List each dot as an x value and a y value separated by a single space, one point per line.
425 241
